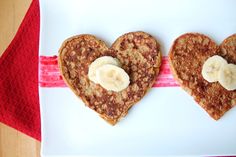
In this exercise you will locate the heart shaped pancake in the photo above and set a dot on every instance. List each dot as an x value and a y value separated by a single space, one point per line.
139 55
187 56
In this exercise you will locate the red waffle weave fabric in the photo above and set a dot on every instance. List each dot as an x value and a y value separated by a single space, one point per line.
19 100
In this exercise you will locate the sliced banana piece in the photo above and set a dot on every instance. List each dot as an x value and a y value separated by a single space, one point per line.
211 68
227 76
98 63
112 77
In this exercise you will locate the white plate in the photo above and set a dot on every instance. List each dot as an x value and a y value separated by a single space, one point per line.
166 121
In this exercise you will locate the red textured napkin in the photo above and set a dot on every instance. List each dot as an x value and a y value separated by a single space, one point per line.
19 100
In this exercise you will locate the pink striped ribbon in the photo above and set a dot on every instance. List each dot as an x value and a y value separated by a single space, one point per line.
49 75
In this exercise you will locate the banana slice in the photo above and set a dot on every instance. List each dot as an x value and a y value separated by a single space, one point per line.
98 63
227 76
112 77
211 68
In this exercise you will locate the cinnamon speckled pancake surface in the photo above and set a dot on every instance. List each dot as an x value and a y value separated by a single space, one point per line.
187 56
140 56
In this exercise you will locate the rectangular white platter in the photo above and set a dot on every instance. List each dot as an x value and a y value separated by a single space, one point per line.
166 121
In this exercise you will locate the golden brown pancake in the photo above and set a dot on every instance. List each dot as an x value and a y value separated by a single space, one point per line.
140 56
187 56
